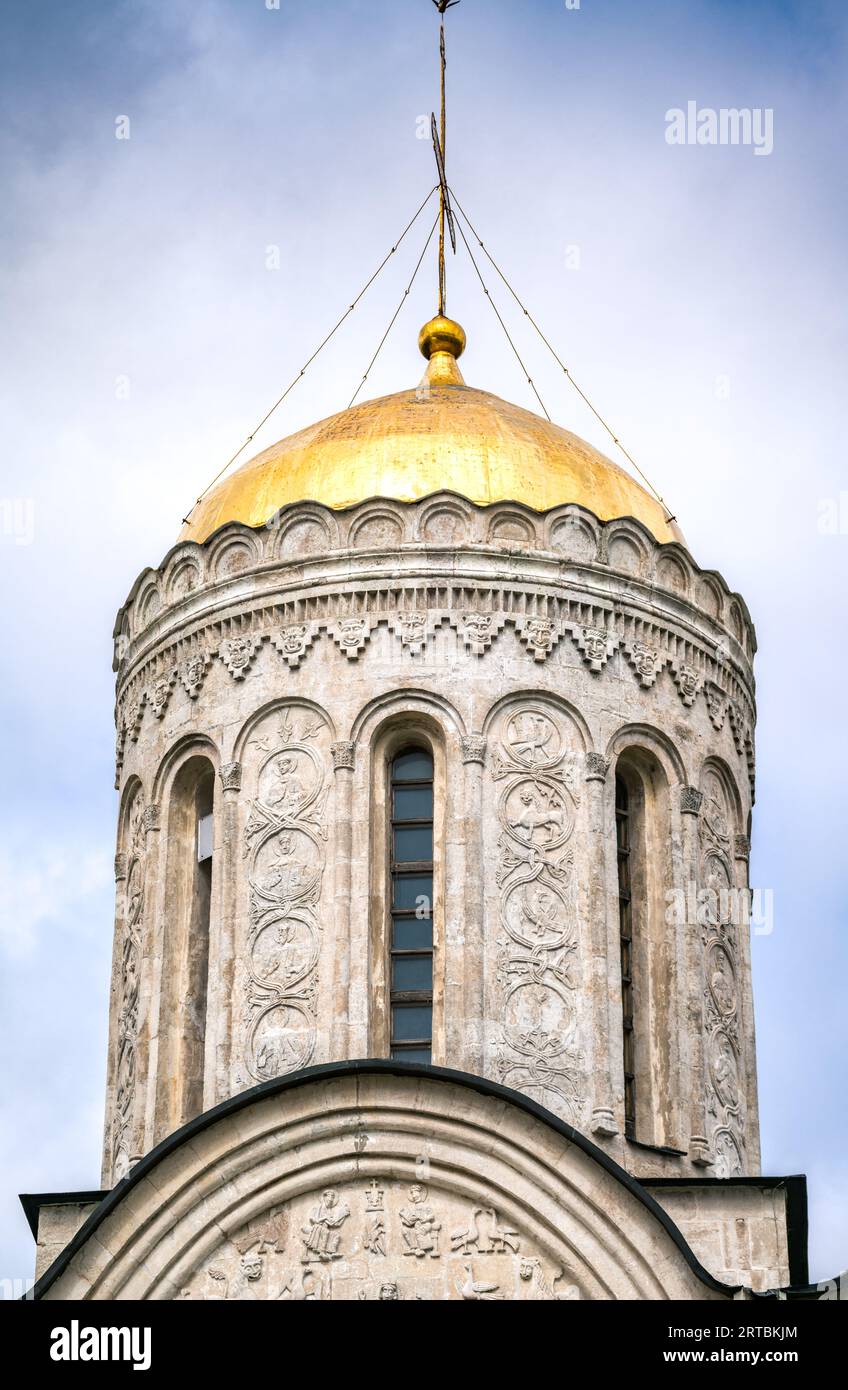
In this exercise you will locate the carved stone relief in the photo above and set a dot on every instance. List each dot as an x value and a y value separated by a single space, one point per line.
285 844
193 672
538 946
595 644
130 949
293 642
380 1240
719 930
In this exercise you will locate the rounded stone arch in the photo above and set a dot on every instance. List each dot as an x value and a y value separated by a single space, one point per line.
187 909
281 703
628 548
132 788
709 595
447 520
298 529
575 533
244 1179
387 726
722 770
655 741
563 706
511 526
186 747
641 815
400 702
673 570
185 575
232 542
377 526
148 602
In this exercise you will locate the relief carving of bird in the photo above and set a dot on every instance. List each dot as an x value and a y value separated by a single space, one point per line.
474 1291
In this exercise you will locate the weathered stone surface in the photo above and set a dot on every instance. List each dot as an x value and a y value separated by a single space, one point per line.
382 1187
534 673
291 660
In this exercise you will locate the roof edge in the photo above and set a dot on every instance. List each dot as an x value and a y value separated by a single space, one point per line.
380 1067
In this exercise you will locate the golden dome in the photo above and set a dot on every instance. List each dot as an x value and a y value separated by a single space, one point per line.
443 436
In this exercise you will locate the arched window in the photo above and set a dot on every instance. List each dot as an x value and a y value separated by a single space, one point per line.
185 964
410 894
625 932
647 946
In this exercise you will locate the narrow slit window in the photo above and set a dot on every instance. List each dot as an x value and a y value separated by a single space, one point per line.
411 910
625 929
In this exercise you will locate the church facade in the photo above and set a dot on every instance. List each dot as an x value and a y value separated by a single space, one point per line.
431 979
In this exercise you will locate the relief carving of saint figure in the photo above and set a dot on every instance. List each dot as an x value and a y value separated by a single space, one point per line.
287 962
285 876
288 793
726 1073
420 1227
722 983
323 1235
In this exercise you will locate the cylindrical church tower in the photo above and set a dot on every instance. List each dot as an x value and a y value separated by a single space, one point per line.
435 743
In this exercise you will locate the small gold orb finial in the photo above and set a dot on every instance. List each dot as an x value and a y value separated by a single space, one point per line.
442 335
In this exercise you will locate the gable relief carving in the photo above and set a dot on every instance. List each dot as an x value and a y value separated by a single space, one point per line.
380 1240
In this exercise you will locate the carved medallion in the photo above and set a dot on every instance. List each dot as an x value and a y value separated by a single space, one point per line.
285 843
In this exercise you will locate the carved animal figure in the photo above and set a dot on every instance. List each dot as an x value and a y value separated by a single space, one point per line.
475 1291
541 1288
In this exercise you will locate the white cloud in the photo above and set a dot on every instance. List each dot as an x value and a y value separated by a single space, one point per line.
45 888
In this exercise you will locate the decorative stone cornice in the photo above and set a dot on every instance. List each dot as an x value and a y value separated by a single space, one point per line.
231 777
344 756
473 748
691 801
613 629
567 546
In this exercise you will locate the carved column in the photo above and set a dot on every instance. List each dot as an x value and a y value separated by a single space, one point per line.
690 809
116 987
472 1045
607 1057
218 1080
151 933
343 765
747 1032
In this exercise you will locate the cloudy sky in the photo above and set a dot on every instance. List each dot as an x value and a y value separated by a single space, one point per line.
696 291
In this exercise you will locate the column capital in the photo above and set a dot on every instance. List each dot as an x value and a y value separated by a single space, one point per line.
231 777
691 801
597 767
473 748
344 755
